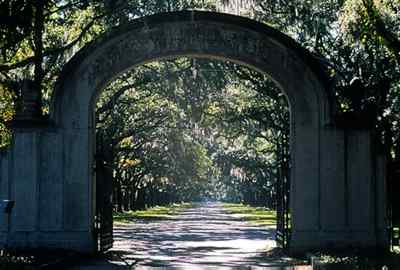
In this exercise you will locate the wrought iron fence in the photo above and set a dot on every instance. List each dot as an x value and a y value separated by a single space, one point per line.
393 188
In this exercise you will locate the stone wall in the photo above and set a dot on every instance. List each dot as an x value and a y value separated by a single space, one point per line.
350 194
345 207
47 212
4 188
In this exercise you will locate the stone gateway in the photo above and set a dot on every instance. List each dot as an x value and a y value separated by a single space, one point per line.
337 192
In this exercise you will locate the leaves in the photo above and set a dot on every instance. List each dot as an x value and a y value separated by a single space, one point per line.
179 134
168 121
6 114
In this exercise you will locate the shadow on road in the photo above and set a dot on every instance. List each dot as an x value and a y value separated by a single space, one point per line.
204 236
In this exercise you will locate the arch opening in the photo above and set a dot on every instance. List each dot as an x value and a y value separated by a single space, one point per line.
203 35
195 130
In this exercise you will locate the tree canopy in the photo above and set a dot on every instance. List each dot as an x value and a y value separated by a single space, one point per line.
191 129
222 125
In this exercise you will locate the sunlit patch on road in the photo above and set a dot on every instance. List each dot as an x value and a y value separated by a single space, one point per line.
203 236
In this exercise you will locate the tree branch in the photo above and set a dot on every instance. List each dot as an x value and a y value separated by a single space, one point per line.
392 42
51 51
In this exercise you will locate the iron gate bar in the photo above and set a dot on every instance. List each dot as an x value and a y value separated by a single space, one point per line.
104 206
283 230
393 188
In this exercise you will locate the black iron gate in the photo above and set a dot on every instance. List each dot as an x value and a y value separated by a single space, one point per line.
282 212
393 189
104 206
282 199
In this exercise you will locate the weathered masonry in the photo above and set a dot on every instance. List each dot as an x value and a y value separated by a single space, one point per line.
337 179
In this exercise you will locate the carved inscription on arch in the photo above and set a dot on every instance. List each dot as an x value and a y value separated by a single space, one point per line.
180 39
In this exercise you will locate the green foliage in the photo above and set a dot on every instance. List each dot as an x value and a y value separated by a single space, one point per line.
370 36
256 215
360 20
221 125
361 40
157 212
177 137
6 114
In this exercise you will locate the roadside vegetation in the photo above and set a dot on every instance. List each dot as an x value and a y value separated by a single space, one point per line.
256 215
354 260
156 212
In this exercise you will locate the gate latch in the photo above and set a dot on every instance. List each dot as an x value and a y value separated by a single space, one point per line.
6 206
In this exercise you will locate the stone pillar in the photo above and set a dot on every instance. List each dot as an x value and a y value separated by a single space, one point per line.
4 192
350 195
23 162
29 108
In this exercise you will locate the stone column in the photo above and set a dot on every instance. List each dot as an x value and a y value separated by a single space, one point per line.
24 163
29 107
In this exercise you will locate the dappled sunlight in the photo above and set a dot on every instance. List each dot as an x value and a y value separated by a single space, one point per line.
206 235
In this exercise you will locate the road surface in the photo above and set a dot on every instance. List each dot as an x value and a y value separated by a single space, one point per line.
202 237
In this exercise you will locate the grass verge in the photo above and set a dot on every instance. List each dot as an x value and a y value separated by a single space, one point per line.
157 212
256 215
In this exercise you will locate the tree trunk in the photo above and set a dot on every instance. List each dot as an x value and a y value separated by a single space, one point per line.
118 196
140 201
133 198
126 200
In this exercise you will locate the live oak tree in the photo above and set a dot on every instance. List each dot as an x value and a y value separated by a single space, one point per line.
214 115
231 123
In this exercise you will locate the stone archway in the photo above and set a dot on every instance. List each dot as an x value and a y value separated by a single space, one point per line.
336 186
